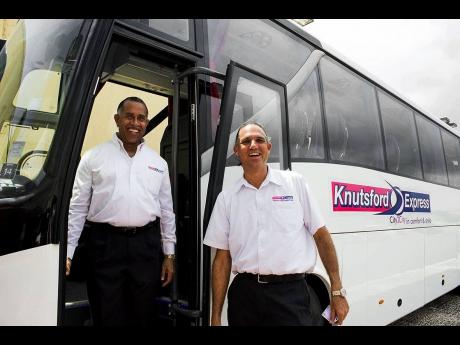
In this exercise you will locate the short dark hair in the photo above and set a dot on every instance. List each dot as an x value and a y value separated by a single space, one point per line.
131 99
247 123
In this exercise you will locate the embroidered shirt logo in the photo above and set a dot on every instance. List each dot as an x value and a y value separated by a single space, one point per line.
282 198
155 169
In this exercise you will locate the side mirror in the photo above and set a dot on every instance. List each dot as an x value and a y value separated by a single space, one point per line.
39 90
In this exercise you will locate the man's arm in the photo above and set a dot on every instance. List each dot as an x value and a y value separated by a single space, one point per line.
78 208
168 228
167 218
220 277
326 249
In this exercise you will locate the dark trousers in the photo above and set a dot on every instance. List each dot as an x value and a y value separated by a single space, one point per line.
123 275
251 303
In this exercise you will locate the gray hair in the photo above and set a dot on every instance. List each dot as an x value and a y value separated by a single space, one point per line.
247 123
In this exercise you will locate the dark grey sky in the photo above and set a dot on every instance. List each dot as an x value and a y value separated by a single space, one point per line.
419 58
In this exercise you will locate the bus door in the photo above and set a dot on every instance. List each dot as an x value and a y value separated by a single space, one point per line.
248 95
138 66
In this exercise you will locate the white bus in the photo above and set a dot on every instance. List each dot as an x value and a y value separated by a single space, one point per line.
386 173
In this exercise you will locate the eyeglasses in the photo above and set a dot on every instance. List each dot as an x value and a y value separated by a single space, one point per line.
258 140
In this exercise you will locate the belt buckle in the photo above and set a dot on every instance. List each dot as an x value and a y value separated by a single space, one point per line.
260 281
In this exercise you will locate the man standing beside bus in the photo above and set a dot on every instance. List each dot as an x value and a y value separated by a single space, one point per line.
259 228
121 194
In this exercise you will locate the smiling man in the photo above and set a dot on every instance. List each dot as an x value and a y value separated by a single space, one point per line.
121 195
264 229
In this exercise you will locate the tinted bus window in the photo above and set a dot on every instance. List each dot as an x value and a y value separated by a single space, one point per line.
401 143
178 28
262 104
305 123
259 45
452 151
351 116
41 56
434 165
179 31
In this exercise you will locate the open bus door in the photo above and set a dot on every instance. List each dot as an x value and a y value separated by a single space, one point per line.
247 95
148 69
43 132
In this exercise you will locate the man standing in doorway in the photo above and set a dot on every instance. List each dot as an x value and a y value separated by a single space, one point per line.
263 229
122 196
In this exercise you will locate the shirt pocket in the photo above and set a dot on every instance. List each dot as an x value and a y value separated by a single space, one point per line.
288 215
150 181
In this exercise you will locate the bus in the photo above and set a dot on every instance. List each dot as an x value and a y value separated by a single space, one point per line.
385 173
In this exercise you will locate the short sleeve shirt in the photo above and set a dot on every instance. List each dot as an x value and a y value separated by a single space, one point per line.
267 230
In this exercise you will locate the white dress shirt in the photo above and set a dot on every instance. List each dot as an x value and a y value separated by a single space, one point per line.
267 230
112 187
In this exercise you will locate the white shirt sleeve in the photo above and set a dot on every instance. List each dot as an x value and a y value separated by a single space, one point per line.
218 229
313 218
79 204
167 218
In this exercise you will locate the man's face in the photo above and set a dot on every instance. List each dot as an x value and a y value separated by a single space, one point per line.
132 122
252 148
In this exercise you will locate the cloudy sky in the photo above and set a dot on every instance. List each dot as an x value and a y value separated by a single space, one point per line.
419 58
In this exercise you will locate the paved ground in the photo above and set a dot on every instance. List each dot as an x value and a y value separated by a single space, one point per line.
444 311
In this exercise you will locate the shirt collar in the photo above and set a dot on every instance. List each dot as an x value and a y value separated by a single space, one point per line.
117 141
272 177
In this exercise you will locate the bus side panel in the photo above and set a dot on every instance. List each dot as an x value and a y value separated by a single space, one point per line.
395 262
352 255
29 287
408 256
441 263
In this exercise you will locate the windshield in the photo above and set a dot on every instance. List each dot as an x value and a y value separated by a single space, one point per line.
36 64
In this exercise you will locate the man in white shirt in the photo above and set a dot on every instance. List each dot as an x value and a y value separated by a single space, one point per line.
263 228
122 197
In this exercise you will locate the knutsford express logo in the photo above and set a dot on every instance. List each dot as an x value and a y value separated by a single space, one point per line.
384 201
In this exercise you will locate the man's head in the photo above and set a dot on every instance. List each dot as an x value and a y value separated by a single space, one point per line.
252 145
131 119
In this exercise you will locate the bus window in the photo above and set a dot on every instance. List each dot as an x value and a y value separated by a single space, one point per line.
179 31
434 165
305 123
400 137
352 117
260 45
39 58
178 28
262 104
452 151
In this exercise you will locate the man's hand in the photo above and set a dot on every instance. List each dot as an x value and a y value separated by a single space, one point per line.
167 271
67 266
339 309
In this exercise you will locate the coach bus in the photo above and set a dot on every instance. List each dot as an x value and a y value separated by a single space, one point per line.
385 172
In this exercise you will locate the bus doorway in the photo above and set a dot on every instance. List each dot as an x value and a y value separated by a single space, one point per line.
132 69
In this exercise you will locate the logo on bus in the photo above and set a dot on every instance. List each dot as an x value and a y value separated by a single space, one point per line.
385 201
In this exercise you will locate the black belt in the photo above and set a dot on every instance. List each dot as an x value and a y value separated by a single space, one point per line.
273 278
127 230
